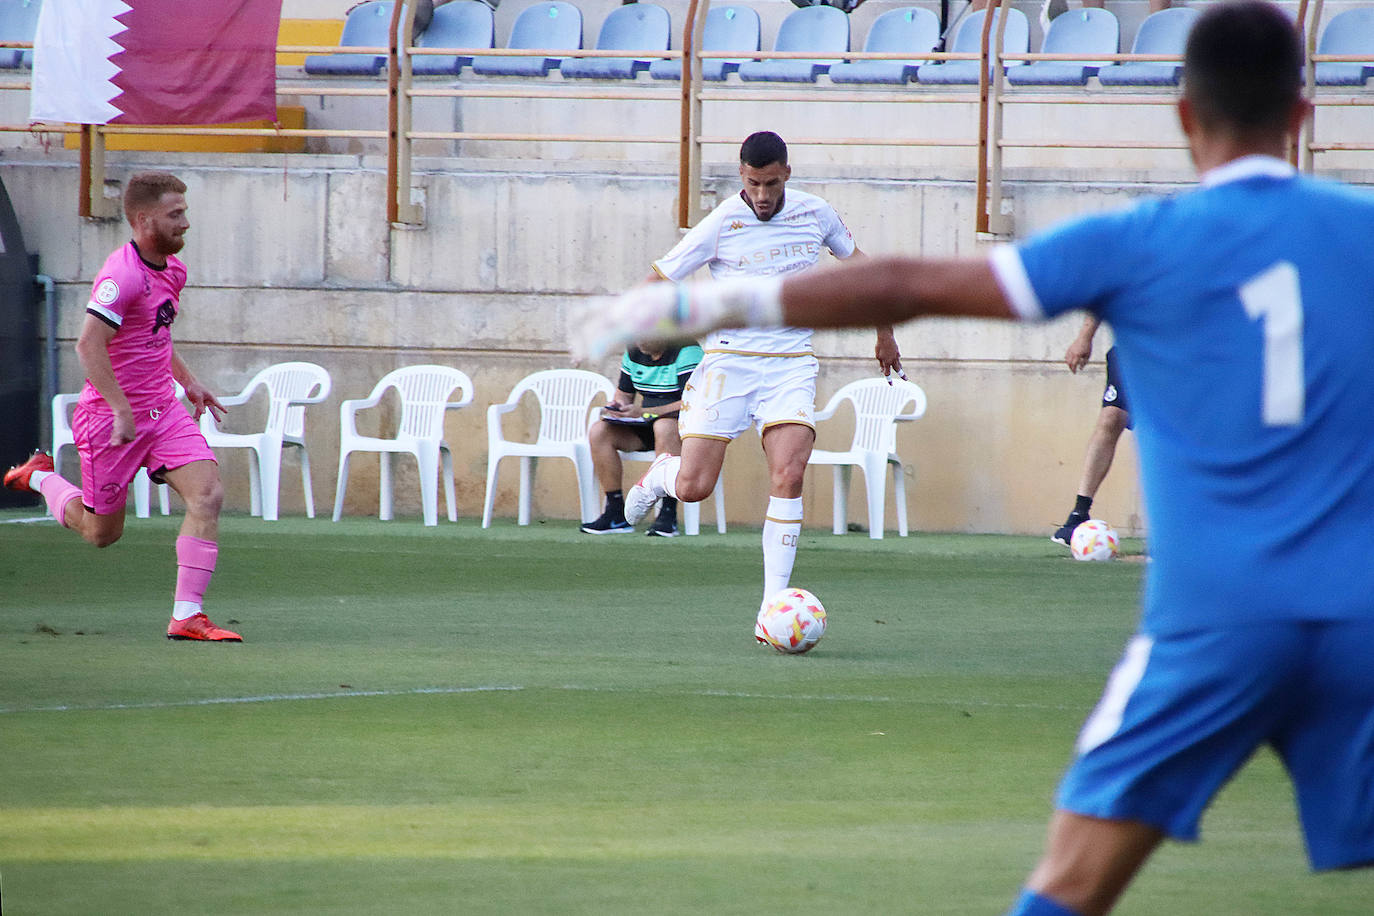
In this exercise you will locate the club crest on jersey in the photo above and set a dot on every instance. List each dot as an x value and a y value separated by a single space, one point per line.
107 291
166 314
736 224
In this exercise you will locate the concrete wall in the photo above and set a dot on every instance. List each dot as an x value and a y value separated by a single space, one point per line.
293 260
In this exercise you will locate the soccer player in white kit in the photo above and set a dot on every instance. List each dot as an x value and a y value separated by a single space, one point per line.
764 377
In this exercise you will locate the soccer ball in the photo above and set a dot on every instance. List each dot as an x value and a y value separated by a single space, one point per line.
1094 540
792 622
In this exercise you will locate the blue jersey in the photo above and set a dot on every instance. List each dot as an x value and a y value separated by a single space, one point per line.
1243 313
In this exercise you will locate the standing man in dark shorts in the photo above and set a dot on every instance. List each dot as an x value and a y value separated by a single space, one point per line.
1112 420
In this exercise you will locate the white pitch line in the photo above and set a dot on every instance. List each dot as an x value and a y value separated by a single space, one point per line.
424 691
824 698
27 521
266 698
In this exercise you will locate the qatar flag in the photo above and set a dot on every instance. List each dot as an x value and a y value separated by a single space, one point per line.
155 61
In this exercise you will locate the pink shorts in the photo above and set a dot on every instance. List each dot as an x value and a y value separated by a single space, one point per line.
163 442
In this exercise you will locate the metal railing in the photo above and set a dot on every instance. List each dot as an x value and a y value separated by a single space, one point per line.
992 97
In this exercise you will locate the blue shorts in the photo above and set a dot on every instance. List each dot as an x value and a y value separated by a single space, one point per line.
1181 714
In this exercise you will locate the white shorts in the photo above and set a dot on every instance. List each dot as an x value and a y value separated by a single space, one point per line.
728 392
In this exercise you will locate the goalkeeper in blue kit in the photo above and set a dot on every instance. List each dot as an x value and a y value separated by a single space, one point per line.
1243 314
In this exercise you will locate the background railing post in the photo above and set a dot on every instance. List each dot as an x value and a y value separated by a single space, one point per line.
689 153
1301 153
92 203
399 208
990 219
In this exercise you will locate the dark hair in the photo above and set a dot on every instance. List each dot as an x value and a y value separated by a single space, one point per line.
763 149
145 189
1242 67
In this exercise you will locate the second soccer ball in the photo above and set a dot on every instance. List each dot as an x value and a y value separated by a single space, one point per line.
1094 540
793 622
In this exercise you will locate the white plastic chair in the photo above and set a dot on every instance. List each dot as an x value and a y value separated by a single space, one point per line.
62 436
691 512
290 386
565 399
425 393
878 408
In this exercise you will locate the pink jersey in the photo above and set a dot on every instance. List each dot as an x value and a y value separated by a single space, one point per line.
140 302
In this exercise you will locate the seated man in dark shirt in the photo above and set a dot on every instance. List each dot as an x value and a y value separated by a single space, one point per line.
656 378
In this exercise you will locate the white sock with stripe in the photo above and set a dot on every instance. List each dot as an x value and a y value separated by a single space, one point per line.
781 531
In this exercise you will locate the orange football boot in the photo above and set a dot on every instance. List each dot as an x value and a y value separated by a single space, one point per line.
17 477
198 626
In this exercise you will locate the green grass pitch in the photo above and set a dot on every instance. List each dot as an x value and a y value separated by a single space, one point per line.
532 720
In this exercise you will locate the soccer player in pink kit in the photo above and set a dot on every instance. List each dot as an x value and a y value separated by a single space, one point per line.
129 416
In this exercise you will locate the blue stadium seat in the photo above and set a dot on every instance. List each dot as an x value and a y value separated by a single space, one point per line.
457 24
18 22
367 26
912 29
727 28
968 39
1350 32
822 29
633 27
1162 32
553 24
1087 31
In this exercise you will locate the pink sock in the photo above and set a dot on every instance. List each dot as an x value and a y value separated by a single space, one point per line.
195 566
58 492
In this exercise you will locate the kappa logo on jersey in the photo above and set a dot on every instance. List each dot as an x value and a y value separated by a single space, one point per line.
107 292
1110 394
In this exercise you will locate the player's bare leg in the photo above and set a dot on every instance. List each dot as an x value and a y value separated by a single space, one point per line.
788 448
689 478
1111 423
64 501
702 460
197 549
1089 861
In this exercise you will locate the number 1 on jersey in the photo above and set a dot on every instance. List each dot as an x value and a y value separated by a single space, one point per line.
1274 298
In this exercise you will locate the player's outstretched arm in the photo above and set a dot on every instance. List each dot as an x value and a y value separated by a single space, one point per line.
890 290
872 292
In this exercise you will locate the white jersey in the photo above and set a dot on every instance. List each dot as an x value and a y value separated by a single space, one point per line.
731 241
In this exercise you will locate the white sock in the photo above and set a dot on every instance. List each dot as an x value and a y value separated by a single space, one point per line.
781 531
663 481
36 479
182 610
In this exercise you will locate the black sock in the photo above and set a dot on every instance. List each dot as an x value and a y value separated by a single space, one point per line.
1083 505
667 508
615 503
